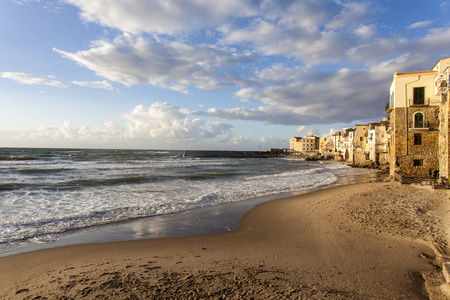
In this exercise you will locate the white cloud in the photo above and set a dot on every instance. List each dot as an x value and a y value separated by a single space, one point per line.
307 131
160 16
30 79
421 24
136 60
157 125
351 13
163 121
366 31
331 132
95 84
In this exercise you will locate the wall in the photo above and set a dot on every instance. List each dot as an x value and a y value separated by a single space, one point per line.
402 143
444 134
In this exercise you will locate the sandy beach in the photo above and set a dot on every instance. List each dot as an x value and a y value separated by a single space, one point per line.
363 241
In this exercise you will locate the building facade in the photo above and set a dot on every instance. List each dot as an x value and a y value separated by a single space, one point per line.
304 146
414 108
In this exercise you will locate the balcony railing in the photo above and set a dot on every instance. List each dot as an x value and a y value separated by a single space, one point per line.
426 125
424 102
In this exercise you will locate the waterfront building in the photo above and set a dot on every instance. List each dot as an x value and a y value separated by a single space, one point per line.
416 105
304 146
361 149
377 142
347 143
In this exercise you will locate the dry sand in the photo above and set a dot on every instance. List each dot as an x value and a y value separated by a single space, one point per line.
363 241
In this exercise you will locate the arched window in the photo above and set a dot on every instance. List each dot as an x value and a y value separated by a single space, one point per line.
418 120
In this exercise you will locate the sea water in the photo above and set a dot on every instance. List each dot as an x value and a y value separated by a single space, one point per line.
46 194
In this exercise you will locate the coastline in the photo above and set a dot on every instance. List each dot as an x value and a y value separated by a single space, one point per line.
212 219
206 220
326 243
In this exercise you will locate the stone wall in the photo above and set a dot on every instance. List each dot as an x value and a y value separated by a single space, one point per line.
403 149
444 134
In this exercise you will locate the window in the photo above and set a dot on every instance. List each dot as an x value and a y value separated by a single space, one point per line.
418 162
417 139
418 120
419 96
360 139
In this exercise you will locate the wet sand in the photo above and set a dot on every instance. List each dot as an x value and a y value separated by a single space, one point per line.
362 241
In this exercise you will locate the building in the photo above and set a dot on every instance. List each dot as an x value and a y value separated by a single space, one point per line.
416 104
304 146
361 149
326 146
348 139
441 90
377 142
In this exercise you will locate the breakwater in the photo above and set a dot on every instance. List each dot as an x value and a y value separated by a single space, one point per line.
219 153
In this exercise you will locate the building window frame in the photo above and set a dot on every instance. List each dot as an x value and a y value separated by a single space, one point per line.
419 95
419 120
417 139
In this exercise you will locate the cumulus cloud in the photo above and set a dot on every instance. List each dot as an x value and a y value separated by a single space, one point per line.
161 120
158 124
307 131
25 78
174 65
104 84
161 16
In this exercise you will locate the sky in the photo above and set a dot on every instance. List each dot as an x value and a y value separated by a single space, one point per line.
205 74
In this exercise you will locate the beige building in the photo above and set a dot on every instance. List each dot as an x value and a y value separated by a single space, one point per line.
377 142
361 149
348 139
417 102
326 146
304 146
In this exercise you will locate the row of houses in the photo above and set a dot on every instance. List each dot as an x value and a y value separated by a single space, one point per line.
364 145
413 140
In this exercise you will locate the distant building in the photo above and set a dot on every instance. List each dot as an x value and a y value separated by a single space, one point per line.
304 146
326 146
361 148
377 141
348 139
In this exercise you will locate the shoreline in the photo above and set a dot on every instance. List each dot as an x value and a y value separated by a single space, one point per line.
206 220
327 243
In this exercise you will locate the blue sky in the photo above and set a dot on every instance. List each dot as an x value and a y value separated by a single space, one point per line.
204 74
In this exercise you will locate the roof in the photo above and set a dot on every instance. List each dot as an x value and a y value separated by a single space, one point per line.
430 72
438 62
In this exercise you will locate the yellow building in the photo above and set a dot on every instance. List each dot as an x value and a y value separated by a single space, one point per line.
414 108
304 146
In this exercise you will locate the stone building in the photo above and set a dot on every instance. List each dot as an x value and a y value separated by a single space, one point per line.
442 91
361 149
414 109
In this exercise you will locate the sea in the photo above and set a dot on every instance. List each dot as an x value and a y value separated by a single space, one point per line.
47 194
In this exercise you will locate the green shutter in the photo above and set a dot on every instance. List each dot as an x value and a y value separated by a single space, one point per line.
419 96
418 120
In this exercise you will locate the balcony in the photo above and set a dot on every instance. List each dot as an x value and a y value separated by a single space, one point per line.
420 102
426 126
388 108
